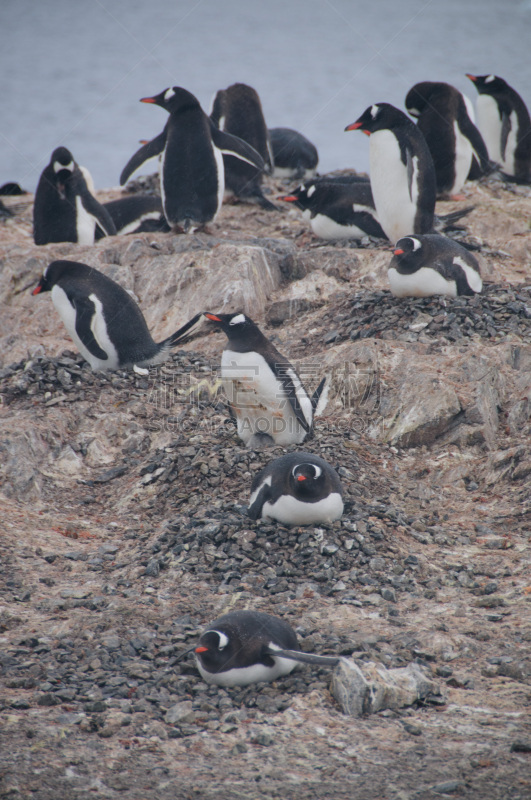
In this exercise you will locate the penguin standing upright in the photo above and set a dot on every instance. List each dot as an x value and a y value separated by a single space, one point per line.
428 264
338 207
265 393
238 110
402 174
294 155
102 318
64 209
504 121
244 647
192 177
297 489
450 134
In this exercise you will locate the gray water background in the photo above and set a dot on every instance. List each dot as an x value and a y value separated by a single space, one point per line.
72 71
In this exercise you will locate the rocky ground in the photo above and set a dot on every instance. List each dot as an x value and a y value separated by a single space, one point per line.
124 527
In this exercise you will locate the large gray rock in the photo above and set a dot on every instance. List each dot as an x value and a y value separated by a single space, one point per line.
372 687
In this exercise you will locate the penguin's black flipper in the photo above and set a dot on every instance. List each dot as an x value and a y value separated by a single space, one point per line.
303 658
153 148
234 146
85 312
468 129
505 131
183 331
320 398
446 222
285 374
255 509
104 221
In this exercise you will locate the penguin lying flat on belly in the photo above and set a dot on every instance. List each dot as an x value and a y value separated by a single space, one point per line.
504 121
64 209
245 647
192 176
265 393
104 321
297 489
237 110
140 213
401 170
338 207
430 264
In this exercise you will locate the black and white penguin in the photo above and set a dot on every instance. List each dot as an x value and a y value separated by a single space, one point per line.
238 110
139 213
338 207
245 647
64 208
267 398
192 176
294 156
430 264
103 320
297 489
504 121
401 170
450 133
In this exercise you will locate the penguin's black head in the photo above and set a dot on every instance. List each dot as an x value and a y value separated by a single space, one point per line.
488 84
63 166
214 651
408 254
306 478
57 270
426 94
378 117
174 99
301 195
232 324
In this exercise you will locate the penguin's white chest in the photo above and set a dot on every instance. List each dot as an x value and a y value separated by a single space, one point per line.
395 197
85 223
259 401
425 282
291 511
327 228
463 159
242 676
490 126
97 326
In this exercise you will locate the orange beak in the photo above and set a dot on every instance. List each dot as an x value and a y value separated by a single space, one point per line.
472 77
301 478
37 290
398 252
201 649
212 317
147 100
289 198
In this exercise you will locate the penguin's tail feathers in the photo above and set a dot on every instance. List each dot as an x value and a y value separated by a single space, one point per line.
446 222
304 658
187 330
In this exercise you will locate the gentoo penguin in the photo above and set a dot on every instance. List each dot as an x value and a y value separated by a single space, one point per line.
192 177
245 647
297 489
429 264
401 169
265 393
11 189
64 209
450 134
238 110
504 121
338 207
139 213
102 318
293 154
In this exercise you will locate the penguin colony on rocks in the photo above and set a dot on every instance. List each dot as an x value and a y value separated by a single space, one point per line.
200 156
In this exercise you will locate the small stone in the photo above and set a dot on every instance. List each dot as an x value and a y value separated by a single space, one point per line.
521 747
388 594
448 787
180 712
48 699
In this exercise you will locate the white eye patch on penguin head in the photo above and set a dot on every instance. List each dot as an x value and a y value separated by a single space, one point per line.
304 472
169 93
238 319
375 111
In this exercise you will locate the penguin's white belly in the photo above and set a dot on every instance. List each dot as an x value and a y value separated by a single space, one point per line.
85 223
327 228
473 277
68 315
243 676
510 146
463 159
258 399
422 283
489 124
395 206
291 511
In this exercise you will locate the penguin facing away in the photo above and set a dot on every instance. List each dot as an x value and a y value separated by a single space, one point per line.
192 177
237 110
429 264
64 208
294 155
297 489
338 207
402 174
504 121
266 396
103 320
450 134
244 647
